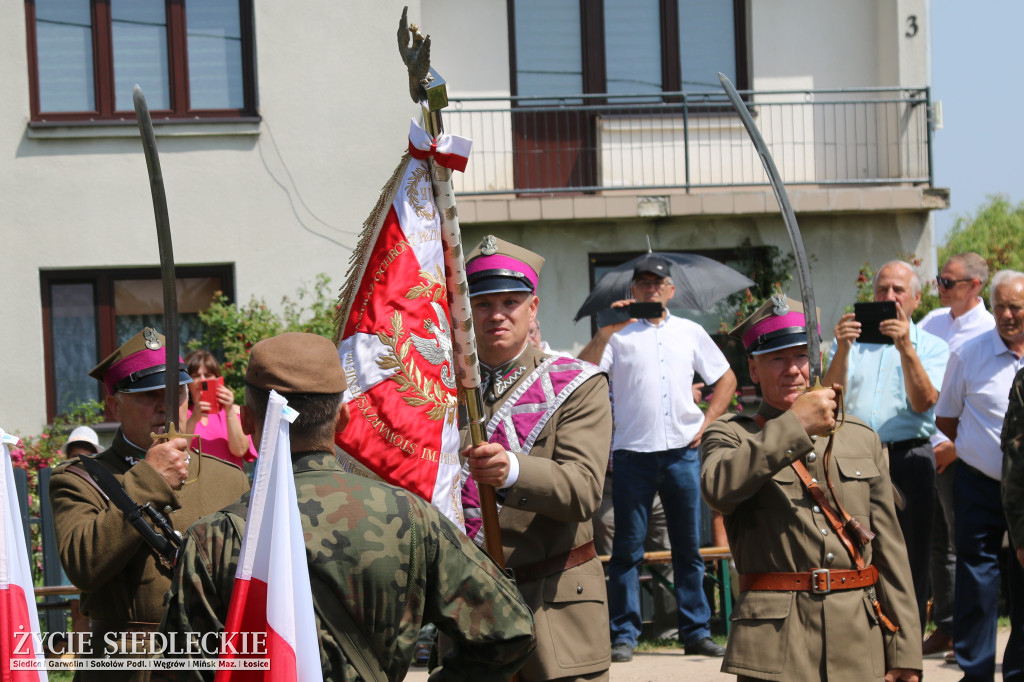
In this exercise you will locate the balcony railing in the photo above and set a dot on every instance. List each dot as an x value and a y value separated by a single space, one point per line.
592 143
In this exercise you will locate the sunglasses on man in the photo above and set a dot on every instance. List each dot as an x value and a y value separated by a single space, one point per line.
946 283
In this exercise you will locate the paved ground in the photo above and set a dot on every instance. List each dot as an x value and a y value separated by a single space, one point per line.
673 665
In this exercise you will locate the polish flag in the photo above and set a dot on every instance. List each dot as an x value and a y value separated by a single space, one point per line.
19 623
395 339
272 594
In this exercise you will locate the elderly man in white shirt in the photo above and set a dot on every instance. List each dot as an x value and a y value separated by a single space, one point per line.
970 411
964 317
657 431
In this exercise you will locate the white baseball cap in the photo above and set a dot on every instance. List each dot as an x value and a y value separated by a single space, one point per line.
83 434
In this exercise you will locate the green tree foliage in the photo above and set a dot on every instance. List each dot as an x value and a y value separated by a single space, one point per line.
771 271
43 449
230 331
994 233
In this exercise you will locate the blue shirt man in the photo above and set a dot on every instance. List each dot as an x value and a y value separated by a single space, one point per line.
893 389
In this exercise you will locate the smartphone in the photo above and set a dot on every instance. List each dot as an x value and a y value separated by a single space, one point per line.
641 311
208 392
870 316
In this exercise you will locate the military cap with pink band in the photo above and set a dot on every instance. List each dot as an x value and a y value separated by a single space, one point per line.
138 365
778 324
496 265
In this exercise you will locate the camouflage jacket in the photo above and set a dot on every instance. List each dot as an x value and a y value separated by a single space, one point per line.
384 554
1012 444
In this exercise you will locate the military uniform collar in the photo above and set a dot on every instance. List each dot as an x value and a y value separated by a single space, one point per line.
314 460
769 412
495 382
125 453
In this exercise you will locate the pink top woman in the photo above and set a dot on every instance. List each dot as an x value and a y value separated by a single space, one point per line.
220 434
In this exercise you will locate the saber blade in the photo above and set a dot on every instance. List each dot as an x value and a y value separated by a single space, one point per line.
802 266
163 234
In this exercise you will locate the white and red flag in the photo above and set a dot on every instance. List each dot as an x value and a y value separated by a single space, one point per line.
395 339
19 623
272 592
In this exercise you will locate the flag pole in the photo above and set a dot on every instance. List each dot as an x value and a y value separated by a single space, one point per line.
429 90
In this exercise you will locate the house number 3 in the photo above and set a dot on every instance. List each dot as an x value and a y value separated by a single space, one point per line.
911 26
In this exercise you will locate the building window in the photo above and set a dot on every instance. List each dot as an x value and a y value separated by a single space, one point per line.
193 58
568 47
89 313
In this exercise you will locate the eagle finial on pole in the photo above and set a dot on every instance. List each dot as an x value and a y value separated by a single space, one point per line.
415 50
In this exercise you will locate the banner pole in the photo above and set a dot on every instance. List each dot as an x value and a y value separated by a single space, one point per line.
430 90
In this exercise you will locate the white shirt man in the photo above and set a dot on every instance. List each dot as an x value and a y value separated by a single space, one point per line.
657 431
970 411
963 318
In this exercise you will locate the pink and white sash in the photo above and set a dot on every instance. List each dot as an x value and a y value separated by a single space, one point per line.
525 412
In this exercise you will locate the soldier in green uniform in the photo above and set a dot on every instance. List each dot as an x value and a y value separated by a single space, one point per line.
549 429
382 562
122 580
816 602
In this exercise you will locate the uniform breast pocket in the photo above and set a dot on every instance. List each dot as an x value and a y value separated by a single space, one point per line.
759 638
785 492
856 476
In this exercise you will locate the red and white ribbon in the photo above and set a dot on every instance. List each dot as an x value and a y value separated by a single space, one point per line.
450 151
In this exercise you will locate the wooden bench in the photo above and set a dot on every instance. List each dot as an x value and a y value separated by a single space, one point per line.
717 556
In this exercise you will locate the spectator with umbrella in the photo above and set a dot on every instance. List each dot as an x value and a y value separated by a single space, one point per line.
658 428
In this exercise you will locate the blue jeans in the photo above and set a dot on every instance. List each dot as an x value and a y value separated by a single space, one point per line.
980 526
636 476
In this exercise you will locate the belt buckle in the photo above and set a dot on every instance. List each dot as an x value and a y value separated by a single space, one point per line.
814 581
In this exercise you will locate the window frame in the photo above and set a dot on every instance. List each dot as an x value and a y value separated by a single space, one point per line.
177 55
102 281
593 47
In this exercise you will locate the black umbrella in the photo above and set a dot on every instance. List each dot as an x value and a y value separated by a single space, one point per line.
699 282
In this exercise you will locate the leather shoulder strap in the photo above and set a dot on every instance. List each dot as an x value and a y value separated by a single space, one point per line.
833 518
84 475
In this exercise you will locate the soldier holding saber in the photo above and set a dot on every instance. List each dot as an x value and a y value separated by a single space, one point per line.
825 583
108 550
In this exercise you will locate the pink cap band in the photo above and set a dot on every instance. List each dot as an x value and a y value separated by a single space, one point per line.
773 323
500 262
133 363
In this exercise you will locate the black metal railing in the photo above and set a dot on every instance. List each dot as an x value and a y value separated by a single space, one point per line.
590 143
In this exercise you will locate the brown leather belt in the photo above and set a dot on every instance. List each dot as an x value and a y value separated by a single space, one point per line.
820 581
556 564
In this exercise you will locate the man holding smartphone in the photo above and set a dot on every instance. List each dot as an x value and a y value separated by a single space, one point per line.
655 448
893 387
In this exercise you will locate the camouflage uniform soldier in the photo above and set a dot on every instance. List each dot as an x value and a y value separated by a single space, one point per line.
382 562
1012 444
122 581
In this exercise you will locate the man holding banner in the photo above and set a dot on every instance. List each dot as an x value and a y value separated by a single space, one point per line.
382 562
549 431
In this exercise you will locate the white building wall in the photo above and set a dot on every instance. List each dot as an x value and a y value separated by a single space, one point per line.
283 200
